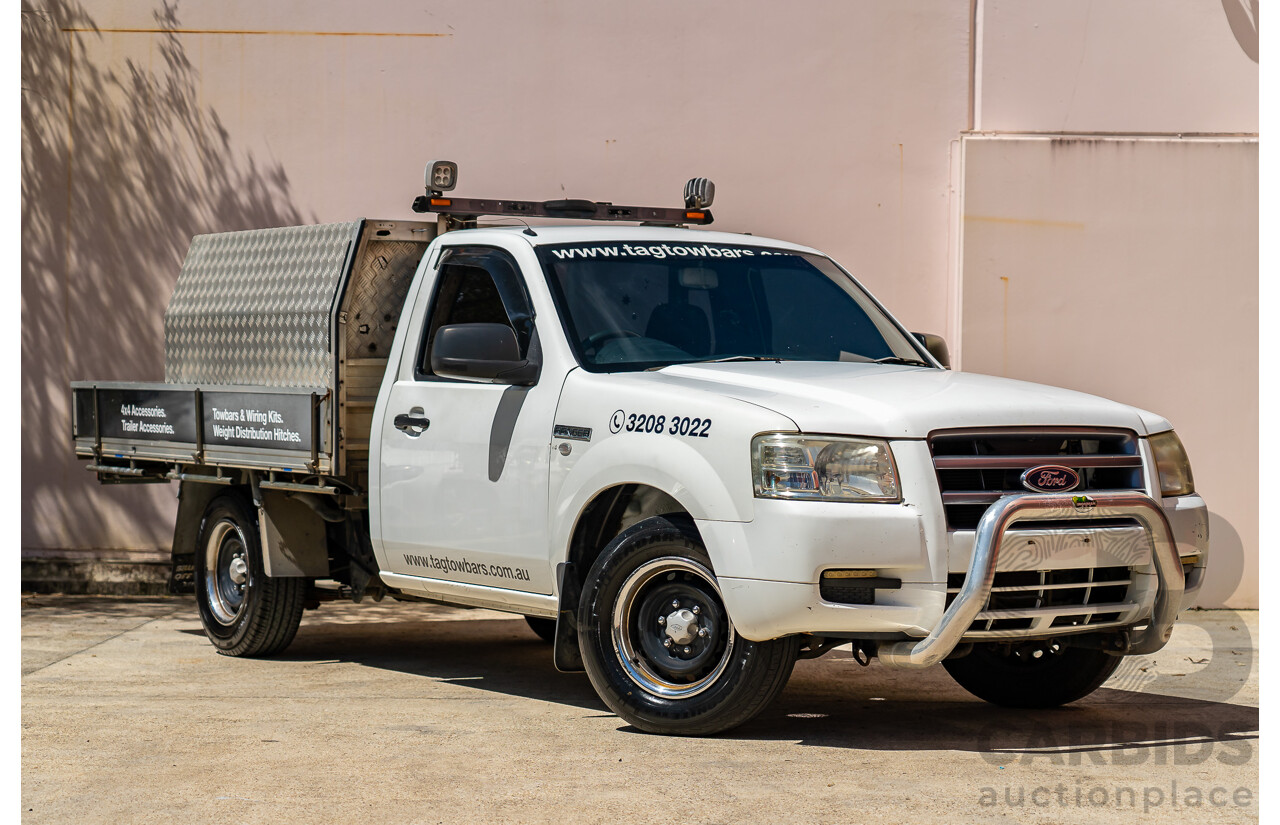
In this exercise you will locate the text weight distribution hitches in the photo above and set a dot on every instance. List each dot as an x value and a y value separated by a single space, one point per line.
229 424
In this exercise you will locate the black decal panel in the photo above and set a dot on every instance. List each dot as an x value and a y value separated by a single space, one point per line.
142 414
241 419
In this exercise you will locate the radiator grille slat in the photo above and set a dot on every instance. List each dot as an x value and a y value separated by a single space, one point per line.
976 467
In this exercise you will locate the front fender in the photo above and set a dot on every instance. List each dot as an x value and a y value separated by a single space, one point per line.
709 475
679 471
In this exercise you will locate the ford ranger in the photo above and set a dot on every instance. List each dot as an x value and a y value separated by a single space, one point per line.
689 458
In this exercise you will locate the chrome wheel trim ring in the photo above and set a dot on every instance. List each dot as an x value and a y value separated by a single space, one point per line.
632 659
225 601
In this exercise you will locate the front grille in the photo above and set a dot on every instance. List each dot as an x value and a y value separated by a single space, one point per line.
1025 602
976 467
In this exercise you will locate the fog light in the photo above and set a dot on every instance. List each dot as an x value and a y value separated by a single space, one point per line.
854 586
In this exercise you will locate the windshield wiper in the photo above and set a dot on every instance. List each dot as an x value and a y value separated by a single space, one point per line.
722 361
740 358
910 362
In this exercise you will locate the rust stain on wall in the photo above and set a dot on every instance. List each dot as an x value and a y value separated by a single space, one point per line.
281 32
1026 222
1004 334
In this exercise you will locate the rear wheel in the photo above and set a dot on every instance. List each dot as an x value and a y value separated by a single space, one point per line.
1039 674
244 612
658 644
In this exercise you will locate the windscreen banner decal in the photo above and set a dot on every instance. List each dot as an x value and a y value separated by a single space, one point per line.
658 251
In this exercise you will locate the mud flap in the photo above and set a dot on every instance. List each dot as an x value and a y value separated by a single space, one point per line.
193 499
568 656
293 538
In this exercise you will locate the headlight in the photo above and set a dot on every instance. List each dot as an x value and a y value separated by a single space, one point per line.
823 469
1172 465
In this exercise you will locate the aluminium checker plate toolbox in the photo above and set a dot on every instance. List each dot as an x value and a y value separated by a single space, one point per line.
254 336
255 308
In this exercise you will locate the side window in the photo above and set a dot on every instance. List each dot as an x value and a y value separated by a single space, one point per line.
477 286
468 295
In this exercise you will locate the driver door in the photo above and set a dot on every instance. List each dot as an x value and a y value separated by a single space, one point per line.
464 499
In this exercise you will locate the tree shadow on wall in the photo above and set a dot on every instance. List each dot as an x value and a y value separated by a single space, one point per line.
121 166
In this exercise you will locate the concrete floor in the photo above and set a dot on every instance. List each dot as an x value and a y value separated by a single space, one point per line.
413 713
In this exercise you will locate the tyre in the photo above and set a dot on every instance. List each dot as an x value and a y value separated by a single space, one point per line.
545 628
244 612
1041 674
657 643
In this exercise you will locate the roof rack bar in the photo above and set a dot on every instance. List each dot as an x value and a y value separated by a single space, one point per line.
472 208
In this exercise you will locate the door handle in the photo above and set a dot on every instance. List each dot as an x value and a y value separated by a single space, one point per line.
413 423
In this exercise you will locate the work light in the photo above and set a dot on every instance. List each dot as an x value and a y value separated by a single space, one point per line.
442 175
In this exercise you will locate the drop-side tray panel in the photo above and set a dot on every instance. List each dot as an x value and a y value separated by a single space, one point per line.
278 428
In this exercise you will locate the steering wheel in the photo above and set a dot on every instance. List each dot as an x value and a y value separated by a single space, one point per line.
593 342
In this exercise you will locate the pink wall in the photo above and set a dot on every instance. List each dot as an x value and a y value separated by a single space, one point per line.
141 128
830 123
1129 269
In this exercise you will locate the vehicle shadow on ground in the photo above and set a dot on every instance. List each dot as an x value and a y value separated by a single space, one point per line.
1107 727
829 702
499 655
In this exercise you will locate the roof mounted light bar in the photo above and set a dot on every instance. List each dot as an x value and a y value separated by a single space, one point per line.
442 176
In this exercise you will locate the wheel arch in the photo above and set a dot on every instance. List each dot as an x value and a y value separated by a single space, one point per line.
611 511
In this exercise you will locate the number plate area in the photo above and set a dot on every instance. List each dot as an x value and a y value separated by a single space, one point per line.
1056 581
1046 549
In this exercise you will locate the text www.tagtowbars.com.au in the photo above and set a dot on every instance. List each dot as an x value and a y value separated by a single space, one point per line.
447 565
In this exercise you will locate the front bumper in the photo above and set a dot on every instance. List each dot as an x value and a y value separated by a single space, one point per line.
769 569
1009 510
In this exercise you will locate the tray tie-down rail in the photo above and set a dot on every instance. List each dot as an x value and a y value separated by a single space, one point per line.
1009 510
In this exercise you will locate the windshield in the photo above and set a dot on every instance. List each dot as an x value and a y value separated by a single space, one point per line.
631 306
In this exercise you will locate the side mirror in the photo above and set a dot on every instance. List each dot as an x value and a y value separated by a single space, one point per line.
935 347
482 352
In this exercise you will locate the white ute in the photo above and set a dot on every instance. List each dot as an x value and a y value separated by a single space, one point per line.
688 457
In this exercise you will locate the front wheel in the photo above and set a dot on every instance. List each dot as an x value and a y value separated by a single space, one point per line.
244 612
1040 674
658 644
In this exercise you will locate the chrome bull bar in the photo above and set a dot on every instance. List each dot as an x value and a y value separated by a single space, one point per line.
1064 507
